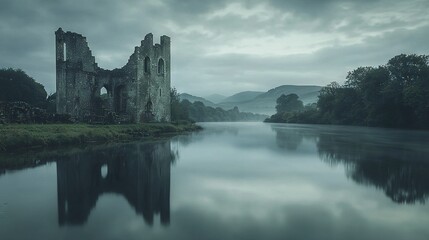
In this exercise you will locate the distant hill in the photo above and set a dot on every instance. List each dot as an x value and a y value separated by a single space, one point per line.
260 102
242 97
265 103
215 98
288 89
193 99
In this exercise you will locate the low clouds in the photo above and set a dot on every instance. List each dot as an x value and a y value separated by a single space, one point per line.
221 46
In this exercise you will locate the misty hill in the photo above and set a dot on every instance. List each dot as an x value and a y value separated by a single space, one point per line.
215 98
265 103
242 97
193 99
260 102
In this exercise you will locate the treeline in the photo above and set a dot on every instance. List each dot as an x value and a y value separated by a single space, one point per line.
197 112
393 95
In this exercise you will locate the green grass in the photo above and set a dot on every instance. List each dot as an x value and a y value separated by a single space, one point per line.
18 136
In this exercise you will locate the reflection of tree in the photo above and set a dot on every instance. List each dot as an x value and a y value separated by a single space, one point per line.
138 171
402 173
290 136
287 138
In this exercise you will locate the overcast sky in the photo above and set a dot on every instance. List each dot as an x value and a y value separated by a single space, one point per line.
223 46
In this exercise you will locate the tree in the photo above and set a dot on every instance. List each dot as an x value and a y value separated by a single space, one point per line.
394 95
408 69
409 76
178 112
369 82
325 103
289 103
16 85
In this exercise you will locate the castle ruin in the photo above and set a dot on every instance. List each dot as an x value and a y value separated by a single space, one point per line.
138 92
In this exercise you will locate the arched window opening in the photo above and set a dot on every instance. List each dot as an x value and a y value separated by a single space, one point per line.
160 92
101 102
147 65
148 114
103 92
149 106
161 66
64 52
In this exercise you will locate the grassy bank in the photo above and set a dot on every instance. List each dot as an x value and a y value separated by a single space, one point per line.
19 136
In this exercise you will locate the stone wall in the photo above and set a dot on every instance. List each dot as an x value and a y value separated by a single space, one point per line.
21 112
137 92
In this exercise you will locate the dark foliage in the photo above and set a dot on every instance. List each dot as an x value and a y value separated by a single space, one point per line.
289 103
178 112
393 95
16 85
288 109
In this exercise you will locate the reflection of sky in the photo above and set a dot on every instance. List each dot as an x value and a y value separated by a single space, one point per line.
280 188
227 185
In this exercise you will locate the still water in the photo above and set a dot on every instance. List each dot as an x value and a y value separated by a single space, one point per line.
229 181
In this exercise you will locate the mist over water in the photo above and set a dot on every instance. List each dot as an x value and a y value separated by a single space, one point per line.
229 181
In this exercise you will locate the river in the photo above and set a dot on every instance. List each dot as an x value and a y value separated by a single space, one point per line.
229 181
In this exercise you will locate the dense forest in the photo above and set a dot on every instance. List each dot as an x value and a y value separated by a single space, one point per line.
393 95
186 111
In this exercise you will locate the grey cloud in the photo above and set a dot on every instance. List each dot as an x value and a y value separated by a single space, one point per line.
113 28
311 8
324 66
194 7
294 221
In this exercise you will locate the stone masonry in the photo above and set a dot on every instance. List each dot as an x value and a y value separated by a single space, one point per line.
138 92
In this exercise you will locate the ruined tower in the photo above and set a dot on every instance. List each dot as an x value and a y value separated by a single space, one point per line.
137 92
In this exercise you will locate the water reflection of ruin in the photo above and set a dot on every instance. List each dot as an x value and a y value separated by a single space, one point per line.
140 172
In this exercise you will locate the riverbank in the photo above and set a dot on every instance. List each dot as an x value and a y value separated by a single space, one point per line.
21 136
